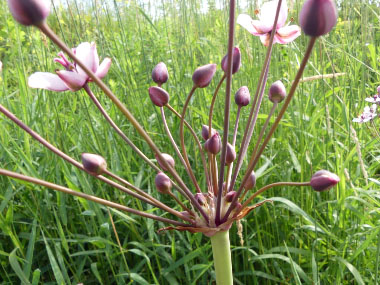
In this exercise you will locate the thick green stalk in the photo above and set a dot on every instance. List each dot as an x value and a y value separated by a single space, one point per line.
222 258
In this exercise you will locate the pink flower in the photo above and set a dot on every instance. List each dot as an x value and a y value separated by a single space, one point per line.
368 114
263 27
73 77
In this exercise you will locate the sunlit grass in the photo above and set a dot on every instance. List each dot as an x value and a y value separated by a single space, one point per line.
326 238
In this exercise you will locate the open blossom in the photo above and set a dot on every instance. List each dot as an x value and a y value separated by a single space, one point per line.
263 27
375 98
368 114
73 77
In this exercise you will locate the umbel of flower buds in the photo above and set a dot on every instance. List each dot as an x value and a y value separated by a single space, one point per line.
251 182
94 163
205 133
158 96
323 180
213 144
277 92
203 75
29 12
242 96
236 61
318 17
168 158
160 73
163 183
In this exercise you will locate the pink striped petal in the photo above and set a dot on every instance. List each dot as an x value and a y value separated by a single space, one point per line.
247 23
86 53
103 68
288 34
73 80
45 80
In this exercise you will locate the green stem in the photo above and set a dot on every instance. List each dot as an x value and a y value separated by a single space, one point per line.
222 258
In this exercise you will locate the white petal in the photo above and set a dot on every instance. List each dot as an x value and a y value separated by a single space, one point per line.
268 14
103 68
246 22
85 52
73 80
45 80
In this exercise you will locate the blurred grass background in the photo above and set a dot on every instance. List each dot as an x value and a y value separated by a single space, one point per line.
303 237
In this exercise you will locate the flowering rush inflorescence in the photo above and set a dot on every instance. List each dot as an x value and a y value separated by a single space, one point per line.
211 208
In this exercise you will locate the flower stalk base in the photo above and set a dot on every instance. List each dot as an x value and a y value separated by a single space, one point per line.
222 258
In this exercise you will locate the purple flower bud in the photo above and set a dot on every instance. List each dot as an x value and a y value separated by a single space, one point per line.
236 61
230 196
213 144
205 133
29 12
323 180
158 96
378 90
242 96
203 75
277 92
231 154
163 183
318 17
93 163
160 73
201 199
169 159
251 182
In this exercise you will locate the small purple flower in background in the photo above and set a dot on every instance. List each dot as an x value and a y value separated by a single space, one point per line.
376 98
73 77
368 114
263 27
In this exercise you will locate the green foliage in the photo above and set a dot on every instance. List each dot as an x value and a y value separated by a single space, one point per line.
329 238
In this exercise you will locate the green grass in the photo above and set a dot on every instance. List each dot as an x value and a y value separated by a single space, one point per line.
303 237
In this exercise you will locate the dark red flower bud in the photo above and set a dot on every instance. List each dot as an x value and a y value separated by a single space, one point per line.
203 75
29 12
236 61
205 133
160 73
230 196
251 182
93 163
163 183
323 180
318 17
242 96
158 96
201 198
213 144
231 154
277 92
169 159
